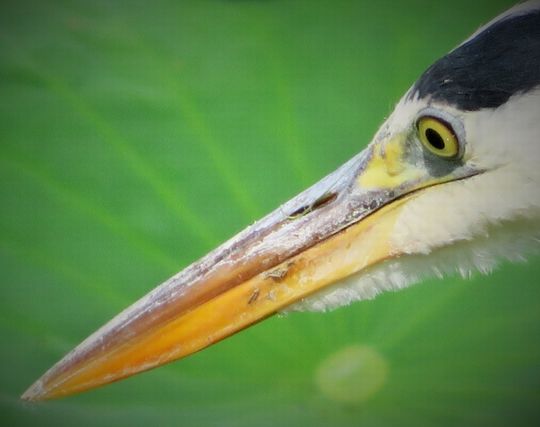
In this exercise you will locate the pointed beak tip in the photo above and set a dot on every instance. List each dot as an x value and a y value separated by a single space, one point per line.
34 393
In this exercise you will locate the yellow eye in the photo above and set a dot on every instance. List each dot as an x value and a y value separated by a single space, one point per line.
438 137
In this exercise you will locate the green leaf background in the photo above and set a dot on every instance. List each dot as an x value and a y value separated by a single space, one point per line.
136 136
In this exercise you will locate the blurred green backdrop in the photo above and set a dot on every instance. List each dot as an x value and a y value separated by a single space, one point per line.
136 136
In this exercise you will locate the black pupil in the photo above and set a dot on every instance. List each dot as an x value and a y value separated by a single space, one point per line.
435 139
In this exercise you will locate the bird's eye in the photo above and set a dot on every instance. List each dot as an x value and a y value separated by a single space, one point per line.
438 137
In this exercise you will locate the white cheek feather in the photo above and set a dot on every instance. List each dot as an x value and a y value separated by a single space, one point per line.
462 259
465 226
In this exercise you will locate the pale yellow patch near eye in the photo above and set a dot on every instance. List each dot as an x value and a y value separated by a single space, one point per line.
387 168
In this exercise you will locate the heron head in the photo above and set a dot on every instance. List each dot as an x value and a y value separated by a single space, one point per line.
450 183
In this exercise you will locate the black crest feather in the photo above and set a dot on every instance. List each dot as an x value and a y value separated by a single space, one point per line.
484 72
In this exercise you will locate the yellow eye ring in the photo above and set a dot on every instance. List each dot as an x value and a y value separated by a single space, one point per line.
438 137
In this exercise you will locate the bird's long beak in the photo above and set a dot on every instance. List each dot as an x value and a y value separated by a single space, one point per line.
336 228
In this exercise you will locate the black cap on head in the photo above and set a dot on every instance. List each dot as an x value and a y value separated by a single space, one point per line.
500 61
